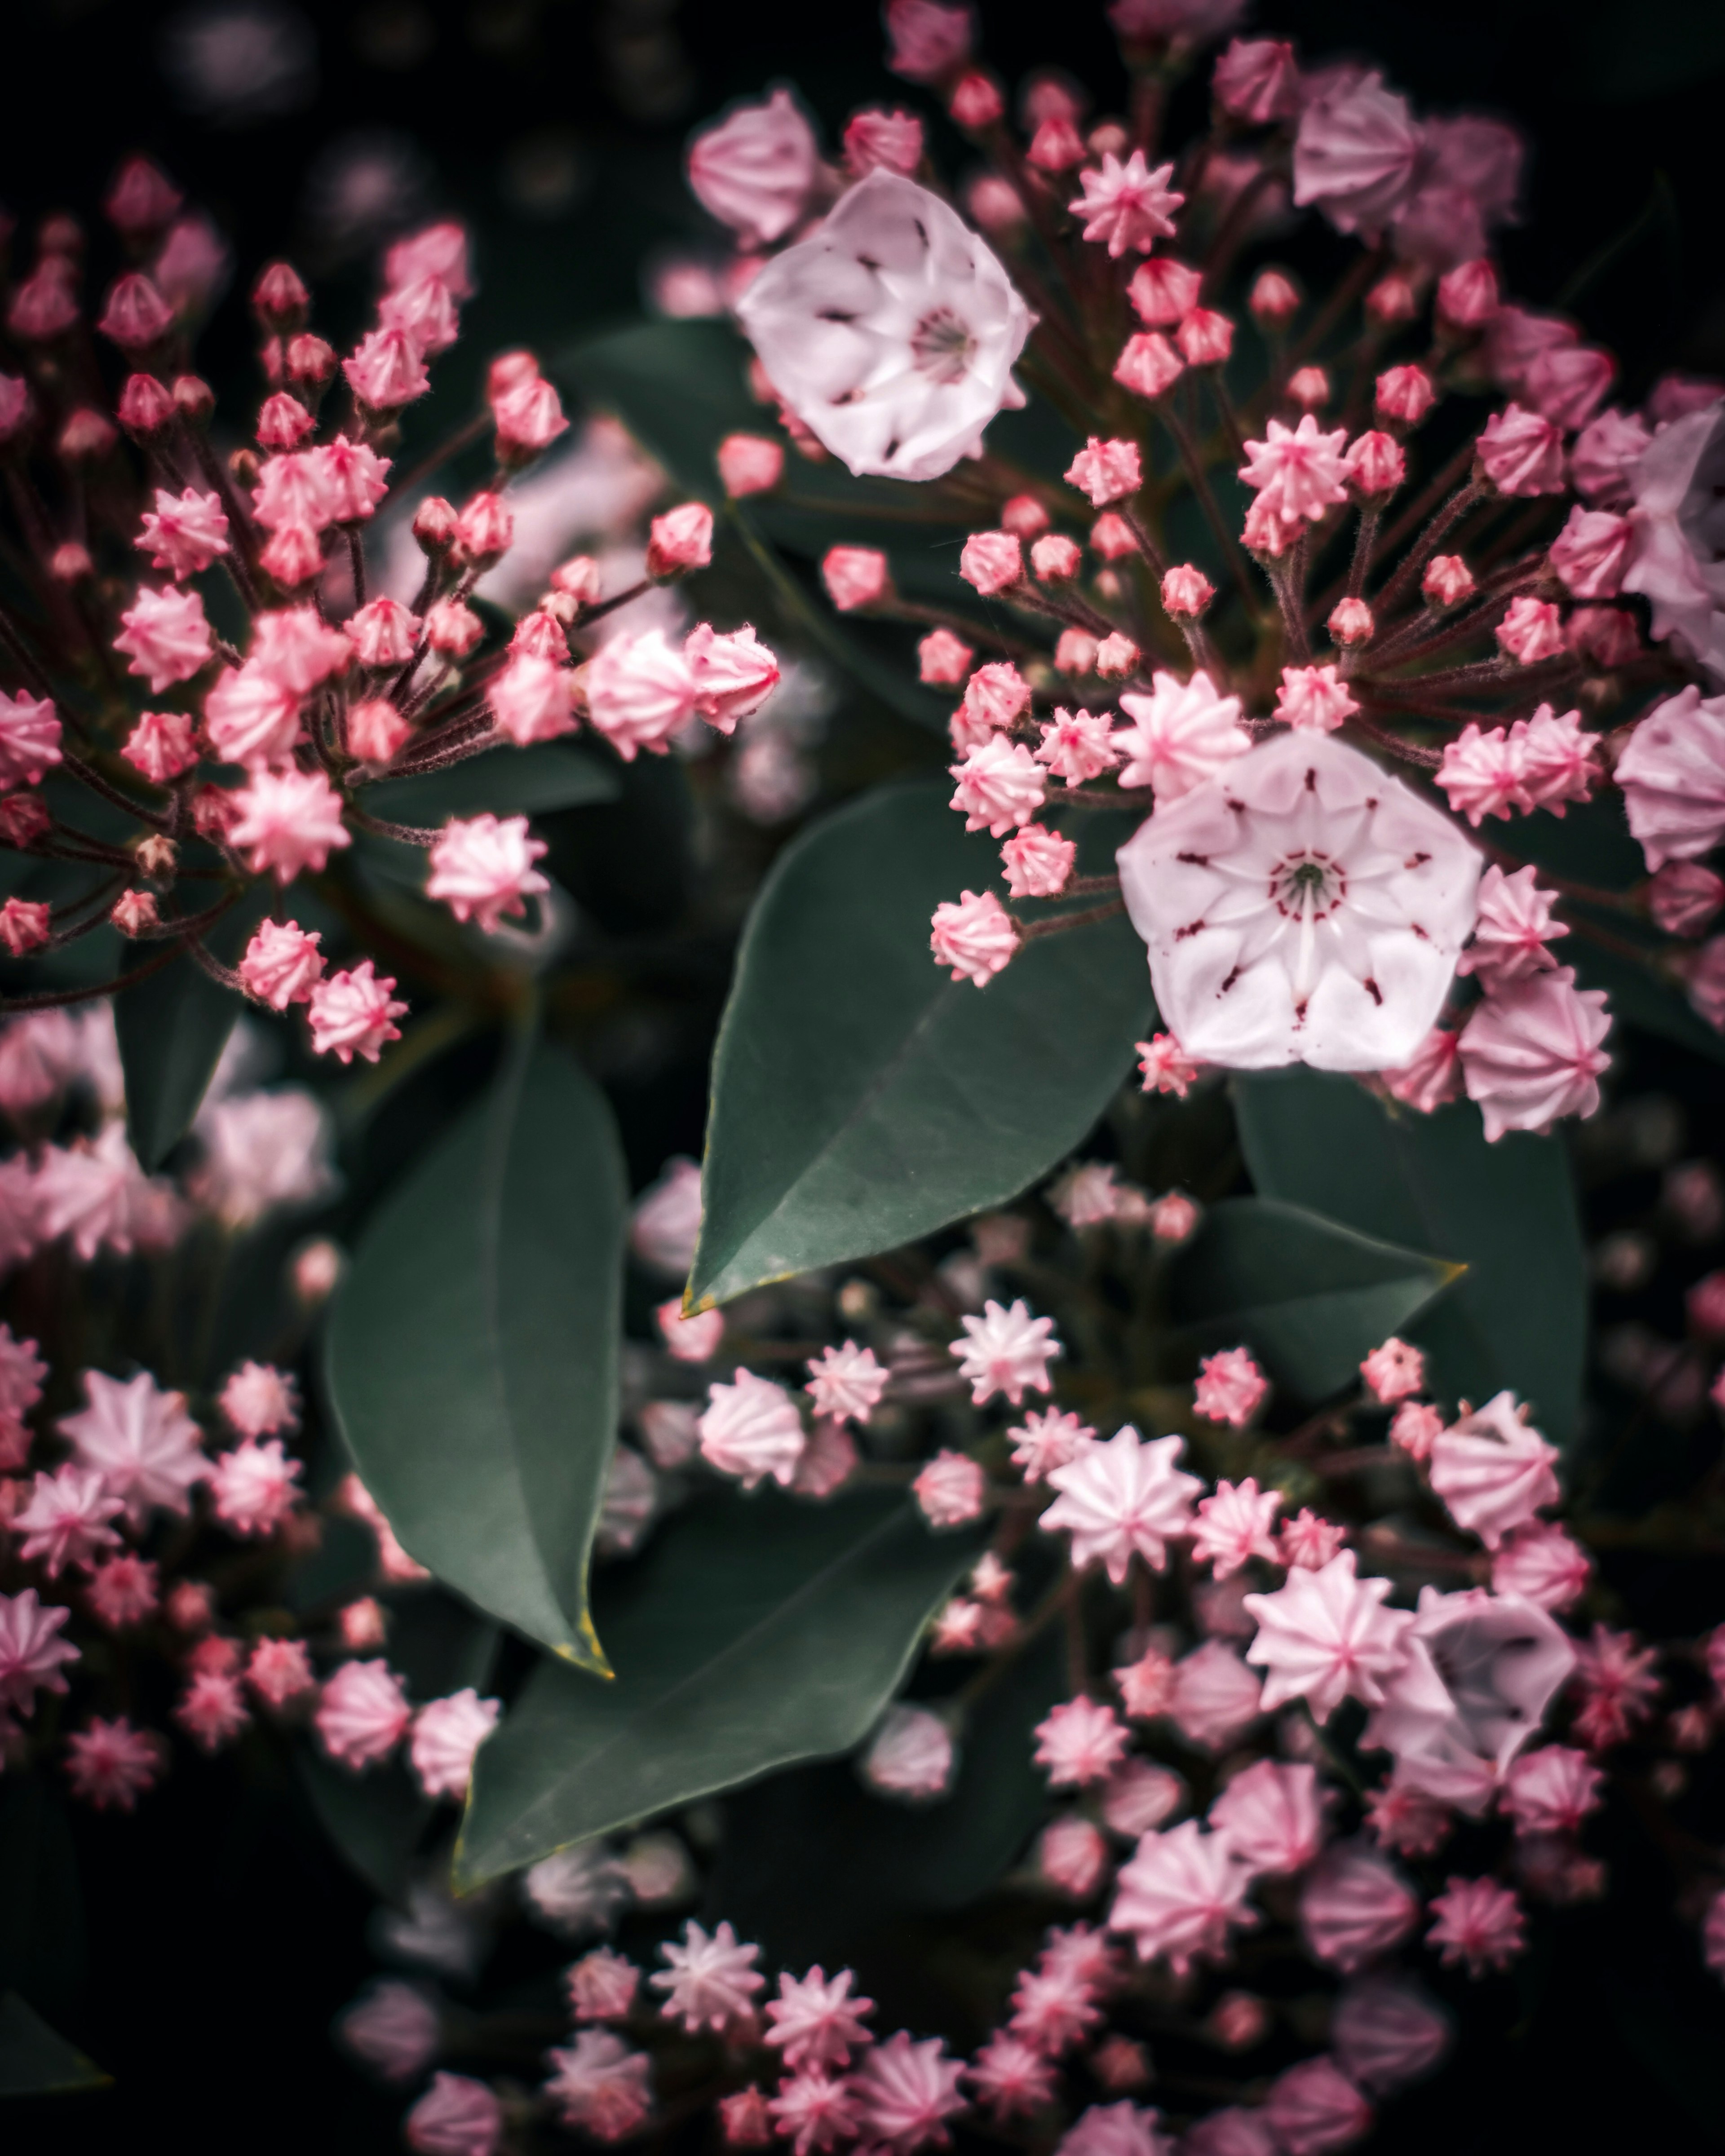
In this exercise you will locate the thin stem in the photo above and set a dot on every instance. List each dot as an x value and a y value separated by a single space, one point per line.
405 834
356 557
1057 924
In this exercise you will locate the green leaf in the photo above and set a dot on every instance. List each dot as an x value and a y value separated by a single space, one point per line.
376 1820
172 1026
41 1902
1309 1297
754 1632
1640 998
506 781
472 1358
1507 1212
861 1096
34 2060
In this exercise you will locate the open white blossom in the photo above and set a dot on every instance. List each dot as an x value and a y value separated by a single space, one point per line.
1301 906
891 332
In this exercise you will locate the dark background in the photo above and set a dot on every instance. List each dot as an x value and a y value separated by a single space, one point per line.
222 1933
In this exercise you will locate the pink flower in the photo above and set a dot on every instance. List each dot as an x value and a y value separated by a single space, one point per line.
1357 150
950 1489
1532 1053
855 576
1234 1524
161 746
1006 1352
1509 941
1257 81
531 698
1271 1816
929 41
1148 366
31 1652
1558 755
600 2085
1183 733
1214 1695
136 316
452 629
1568 382
1298 472
1206 338
1313 2108
690 1339
708 1981
1531 630
1551 1790
211 1709
1186 591
383 634
112 1764
1394 1371
457 2116
362 1714
1478 1922
1375 463
1484 774
447 1732
1038 862
1072 1857
1388 2033
1521 453
279 1670
943 658
165 636
1000 786
1354 1907
1314 698
252 719
483 868
123 1592
1127 206
66 1520
1351 622
751 1429
1077 746
386 370
1080 1742
1406 394
665 1225
1684 897
1493 1471
733 675
1166 1067
815 2023
1229 1387
1047 1439
1618 1686
1122 1498
1146 1686
992 562
296 648
1672 774
1325 1637
1603 458
602 1986
1053 2008
754 170
282 964
289 820
639 690
1589 552
1179 1897
140 1438
906 2092
846 1381
814 2112
1011 2077
353 1013
291 495
255 1486
1539 1563
910 1755
1106 471
184 533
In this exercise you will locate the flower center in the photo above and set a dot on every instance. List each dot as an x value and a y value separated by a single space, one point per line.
941 346
1308 886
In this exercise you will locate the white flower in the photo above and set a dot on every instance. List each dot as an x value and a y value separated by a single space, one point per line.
891 332
1300 906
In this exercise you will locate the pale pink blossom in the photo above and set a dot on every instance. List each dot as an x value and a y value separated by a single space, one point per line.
288 820
161 746
353 1013
1106 471
1510 936
1532 1053
141 1441
749 465
1325 1637
1230 1387
751 1429
66 1520
1431 1077
95 1192
846 1381
1618 1686
1355 1907
383 634
1493 1471
452 627
906 2092
950 1489
1234 1524
1559 757
1006 1352
362 1714
291 495
1447 581
910 1755
1521 453
814 2112
1072 1857
123 1592
855 577
600 2085
1126 206
1038 862
1406 394
482 868
818 2023
1541 1563
1054 2007
1122 1498
1567 382
112 1764
1551 1790
1148 366
282 964
1146 1686
1531 630
1406 1820
1080 1742
255 1486
1684 897
1356 154
1672 774
30 1651
1388 2033
1182 733
1047 1437
755 169
1179 1897
1477 1923
165 636
641 690
1272 1815
991 562
1231 2132
1313 2108
734 675
457 2116
1351 621
184 532
386 369
1000 786
447 1733
1604 455
1298 472
664 1226
261 1150
602 1986
1077 746
279 1670
251 719
1588 553
1165 1067
708 1980
1392 1372
1314 698
1214 1695
1011 2077
532 697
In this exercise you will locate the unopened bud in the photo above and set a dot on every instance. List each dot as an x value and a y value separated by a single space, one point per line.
133 911
1467 295
142 200
283 423
279 300
1310 388
214 812
976 101
158 857
1186 591
1023 515
680 540
60 235
136 316
578 579
452 629
1392 300
69 563
1275 299
1116 656
310 359
23 819
1055 559
144 406
1351 622
316 1268
435 523
376 731
485 528
194 400
1448 581
244 466
86 435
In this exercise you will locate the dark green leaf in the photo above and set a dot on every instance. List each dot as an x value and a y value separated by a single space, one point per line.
1310 1298
473 1350
41 1905
1640 998
377 1820
1431 1183
506 781
173 1025
34 2060
861 1096
754 1632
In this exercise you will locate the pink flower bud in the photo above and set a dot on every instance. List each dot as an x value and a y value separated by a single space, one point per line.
682 539
161 746
71 563
386 371
1590 552
749 464
1056 146
194 400
542 636
376 732
1467 295
1274 299
1683 898
733 675
1447 581
282 964
1521 453
1375 463
293 556
24 819
310 361
529 416
883 141
973 936
1106 471
1148 365
279 300
144 406
1025 517
1076 652
1531 630
1257 81
434 524
383 634
1113 538
142 200
1186 591
452 629
284 422
133 912
45 305
855 576
1567 383
353 1013
1310 388
1351 622
1392 300
991 562
484 529
1405 394
24 926
1116 656
943 659
578 579
1205 338
86 436
136 316
1056 559
1163 291
976 102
